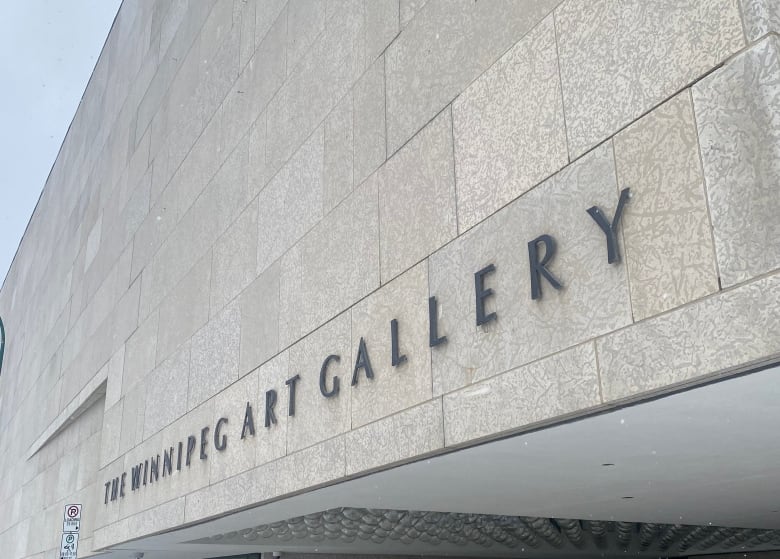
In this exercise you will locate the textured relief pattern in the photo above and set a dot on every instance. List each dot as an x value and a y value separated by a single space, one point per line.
668 240
720 333
620 58
545 535
509 129
737 111
443 48
551 387
407 434
761 17
417 186
594 299
392 388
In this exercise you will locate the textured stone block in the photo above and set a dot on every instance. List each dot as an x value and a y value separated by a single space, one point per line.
760 17
133 407
305 21
185 310
235 260
291 204
409 9
214 357
339 156
166 391
509 128
114 375
443 49
417 186
736 112
619 59
723 332
259 304
408 434
316 417
239 455
140 351
111 433
393 388
382 26
265 15
369 121
565 383
668 240
593 301
257 174
332 267
318 464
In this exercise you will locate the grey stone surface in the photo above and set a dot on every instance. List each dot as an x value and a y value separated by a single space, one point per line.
594 300
339 155
257 175
305 21
111 433
265 16
321 463
214 355
259 304
739 132
393 388
668 239
239 455
508 127
382 26
410 433
720 333
291 204
369 121
140 351
318 418
114 377
409 9
235 260
445 47
185 310
332 267
417 185
270 443
166 391
555 386
133 408
620 59
760 17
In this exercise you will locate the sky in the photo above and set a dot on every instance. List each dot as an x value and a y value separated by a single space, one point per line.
48 49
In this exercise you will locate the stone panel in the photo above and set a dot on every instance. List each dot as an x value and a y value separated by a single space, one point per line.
310 467
417 186
333 266
111 433
723 332
318 418
291 204
185 310
214 358
133 407
508 127
339 157
235 260
549 388
393 388
369 121
409 9
760 17
443 49
593 301
305 21
620 59
166 391
259 304
736 112
668 239
239 455
140 351
408 434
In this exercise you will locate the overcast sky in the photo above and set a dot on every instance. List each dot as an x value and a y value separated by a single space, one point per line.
48 49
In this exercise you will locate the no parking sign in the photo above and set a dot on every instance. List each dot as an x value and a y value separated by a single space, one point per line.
72 521
71 525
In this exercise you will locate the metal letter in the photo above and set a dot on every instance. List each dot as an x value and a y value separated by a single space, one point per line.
362 362
433 320
270 402
135 477
291 382
154 469
482 294
335 390
167 462
191 442
122 485
203 442
249 422
395 354
108 486
220 443
538 267
610 229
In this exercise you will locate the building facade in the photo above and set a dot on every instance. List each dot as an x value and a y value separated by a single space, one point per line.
402 277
